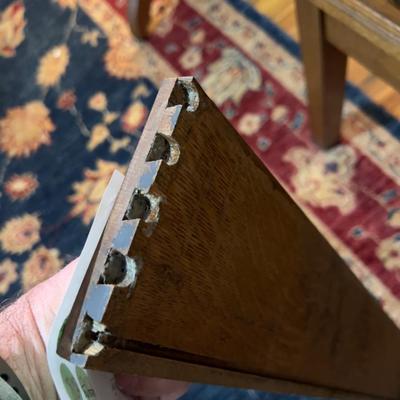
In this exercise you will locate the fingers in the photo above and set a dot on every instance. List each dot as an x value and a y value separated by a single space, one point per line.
150 388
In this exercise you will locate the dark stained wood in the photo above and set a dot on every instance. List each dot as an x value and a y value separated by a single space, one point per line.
396 3
139 17
325 70
234 284
161 367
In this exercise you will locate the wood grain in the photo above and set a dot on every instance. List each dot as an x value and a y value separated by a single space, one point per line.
235 283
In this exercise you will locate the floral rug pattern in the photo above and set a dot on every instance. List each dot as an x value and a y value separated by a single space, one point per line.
72 108
75 92
76 89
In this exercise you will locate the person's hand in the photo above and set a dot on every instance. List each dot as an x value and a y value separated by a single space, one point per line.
24 329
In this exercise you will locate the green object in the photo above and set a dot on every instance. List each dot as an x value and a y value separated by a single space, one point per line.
70 384
85 384
7 392
60 334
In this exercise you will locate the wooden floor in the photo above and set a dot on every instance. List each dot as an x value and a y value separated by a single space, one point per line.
283 13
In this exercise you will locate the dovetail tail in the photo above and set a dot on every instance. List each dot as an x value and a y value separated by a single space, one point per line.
185 94
119 270
164 148
138 207
86 341
145 206
192 95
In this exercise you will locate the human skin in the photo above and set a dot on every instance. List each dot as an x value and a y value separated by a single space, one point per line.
24 329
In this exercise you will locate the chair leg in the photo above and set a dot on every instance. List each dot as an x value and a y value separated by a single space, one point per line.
325 72
139 16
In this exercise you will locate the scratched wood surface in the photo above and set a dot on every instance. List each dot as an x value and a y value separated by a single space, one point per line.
233 284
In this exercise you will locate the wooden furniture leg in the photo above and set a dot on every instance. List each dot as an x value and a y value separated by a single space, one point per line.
208 271
139 16
325 69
